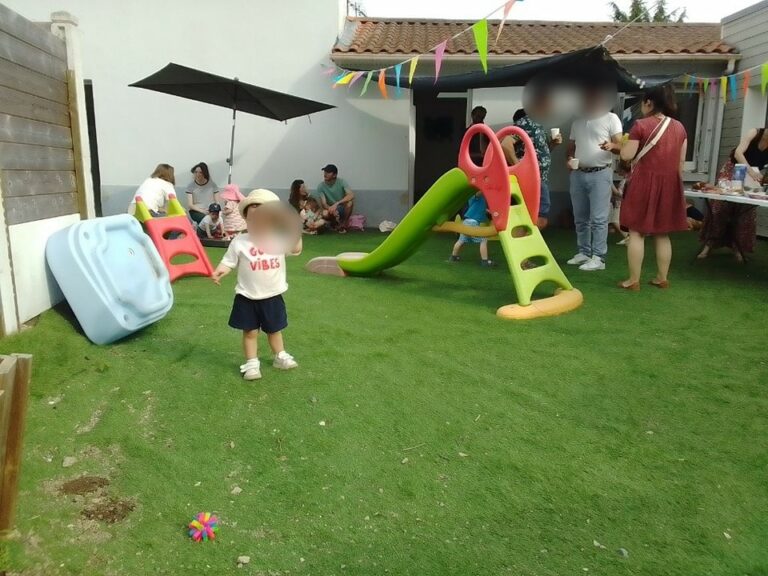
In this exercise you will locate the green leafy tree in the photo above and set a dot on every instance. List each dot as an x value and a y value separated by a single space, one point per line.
639 11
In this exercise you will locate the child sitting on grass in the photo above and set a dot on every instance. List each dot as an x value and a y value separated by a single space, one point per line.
313 217
212 225
261 283
477 209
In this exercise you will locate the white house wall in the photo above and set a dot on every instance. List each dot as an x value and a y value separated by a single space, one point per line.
279 45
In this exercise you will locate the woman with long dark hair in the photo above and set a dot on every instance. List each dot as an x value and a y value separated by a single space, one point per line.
654 203
201 192
299 195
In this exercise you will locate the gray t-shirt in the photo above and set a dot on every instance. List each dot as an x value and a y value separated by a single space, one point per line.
203 195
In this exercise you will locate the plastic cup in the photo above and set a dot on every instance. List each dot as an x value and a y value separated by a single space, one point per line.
573 163
554 133
740 172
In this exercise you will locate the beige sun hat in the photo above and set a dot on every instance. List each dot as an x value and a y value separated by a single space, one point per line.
258 196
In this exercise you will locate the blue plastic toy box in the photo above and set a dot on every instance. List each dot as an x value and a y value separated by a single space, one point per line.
112 276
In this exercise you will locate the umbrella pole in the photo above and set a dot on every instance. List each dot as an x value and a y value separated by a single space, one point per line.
231 158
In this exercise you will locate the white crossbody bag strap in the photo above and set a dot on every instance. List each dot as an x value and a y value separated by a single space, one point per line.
660 129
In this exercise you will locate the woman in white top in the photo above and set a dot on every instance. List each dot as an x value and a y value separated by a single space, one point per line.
154 191
201 192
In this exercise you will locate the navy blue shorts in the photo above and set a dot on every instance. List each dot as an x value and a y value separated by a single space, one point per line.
268 315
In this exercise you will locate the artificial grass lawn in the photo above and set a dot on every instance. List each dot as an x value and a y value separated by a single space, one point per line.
453 442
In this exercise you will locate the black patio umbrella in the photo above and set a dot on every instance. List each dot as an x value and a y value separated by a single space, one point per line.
229 93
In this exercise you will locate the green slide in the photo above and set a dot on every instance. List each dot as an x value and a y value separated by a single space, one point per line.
446 197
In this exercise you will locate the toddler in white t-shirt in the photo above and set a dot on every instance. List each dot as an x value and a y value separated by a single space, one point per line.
261 283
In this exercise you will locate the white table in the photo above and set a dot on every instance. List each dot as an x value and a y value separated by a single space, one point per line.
726 198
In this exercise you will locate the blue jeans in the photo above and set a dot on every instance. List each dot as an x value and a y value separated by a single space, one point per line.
591 199
544 201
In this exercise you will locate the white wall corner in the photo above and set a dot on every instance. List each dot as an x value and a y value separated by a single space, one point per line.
65 25
8 307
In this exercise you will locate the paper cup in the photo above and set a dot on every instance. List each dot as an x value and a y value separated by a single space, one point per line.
573 163
554 133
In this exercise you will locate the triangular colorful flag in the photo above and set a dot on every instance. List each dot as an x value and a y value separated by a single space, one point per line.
700 82
507 8
345 79
439 52
724 88
398 70
357 77
412 70
480 31
764 82
329 70
686 81
383 83
745 82
367 81
706 84
732 86
339 77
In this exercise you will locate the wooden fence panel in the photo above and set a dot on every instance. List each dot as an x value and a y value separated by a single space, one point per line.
17 103
23 209
31 33
25 80
31 183
26 157
24 54
23 131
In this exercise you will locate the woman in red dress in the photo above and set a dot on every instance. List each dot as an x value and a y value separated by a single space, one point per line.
654 204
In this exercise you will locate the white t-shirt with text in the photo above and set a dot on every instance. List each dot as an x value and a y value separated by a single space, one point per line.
259 275
589 134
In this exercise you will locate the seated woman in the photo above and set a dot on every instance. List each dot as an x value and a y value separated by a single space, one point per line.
729 224
299 195
201 192
154 191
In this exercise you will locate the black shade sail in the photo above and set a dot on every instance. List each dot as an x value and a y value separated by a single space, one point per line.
589 66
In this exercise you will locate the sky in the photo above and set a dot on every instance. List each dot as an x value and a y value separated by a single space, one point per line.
578 10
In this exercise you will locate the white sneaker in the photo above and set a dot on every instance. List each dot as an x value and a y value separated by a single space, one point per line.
251 370
623 242
284 361
579 259
593 264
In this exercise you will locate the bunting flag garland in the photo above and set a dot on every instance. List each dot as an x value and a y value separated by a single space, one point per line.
706 84
338 78
764 82
480 32
398 70
357 77
507 8
686 82
383 83
439 52
724 88
328 71
367 81
412 71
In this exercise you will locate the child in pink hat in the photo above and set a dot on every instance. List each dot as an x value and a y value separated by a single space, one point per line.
233 221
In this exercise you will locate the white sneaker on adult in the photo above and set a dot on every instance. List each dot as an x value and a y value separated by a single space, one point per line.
593 264
251 370
284 361
579 259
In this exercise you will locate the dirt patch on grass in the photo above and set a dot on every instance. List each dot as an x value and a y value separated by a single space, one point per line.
92 422
111 510
83 485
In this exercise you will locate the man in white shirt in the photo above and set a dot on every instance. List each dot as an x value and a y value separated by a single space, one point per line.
591 182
